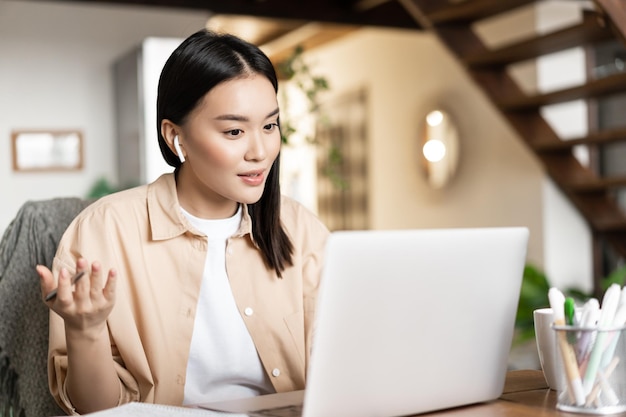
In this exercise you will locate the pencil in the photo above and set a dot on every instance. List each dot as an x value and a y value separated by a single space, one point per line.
52 294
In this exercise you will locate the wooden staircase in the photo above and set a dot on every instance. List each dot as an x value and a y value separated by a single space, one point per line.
593 194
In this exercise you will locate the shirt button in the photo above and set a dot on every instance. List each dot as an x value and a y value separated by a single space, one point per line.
229 251
248 311
275 372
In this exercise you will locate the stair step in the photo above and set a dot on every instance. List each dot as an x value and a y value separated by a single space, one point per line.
616 12
597 138
440 11
598 184
611 84
590 30
610 225
601 211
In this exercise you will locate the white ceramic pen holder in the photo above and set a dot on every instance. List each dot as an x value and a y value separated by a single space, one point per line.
593 375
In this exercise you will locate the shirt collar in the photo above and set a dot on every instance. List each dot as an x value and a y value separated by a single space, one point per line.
165 217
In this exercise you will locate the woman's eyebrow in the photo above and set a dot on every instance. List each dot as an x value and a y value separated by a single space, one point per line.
235 117
240 118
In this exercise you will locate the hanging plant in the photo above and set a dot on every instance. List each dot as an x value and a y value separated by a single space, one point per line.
299 74
297 71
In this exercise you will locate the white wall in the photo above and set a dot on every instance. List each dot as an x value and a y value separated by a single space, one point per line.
156 51
55 72
499 182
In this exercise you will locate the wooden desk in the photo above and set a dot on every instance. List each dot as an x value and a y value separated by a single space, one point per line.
526 394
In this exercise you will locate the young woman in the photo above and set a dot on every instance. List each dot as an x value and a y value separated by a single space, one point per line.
201 285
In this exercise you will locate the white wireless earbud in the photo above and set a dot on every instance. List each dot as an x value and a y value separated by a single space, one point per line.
179 151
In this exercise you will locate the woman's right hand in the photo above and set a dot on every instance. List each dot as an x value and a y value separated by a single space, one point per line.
91 381
86 308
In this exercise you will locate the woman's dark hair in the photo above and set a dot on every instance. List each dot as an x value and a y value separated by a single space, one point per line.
202 61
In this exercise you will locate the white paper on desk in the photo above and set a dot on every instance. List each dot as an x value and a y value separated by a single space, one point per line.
137 409
243 406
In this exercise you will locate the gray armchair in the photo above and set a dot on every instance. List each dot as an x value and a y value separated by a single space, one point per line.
31 239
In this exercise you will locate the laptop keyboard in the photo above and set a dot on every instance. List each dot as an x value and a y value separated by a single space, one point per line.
287 411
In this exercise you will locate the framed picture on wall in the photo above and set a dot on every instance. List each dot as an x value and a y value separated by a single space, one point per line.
47 150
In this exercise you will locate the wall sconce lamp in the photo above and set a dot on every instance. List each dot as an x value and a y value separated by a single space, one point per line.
439 148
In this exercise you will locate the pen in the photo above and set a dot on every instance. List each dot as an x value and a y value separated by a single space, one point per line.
52 294
596 389
570 312
569 309
618 321
588 319
609 306
557 303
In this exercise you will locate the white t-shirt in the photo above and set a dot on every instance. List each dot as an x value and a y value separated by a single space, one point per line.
223 361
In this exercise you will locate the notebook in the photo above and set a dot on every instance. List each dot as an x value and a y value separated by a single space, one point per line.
408 321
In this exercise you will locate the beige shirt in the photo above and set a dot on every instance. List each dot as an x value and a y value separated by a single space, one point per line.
160 257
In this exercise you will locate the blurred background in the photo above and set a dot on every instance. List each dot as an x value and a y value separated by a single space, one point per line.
358 80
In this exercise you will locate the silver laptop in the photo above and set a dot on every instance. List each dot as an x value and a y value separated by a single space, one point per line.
409 321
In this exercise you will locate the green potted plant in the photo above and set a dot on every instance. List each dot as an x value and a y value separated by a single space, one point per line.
534 295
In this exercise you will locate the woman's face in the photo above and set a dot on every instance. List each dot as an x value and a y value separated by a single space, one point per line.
230 141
